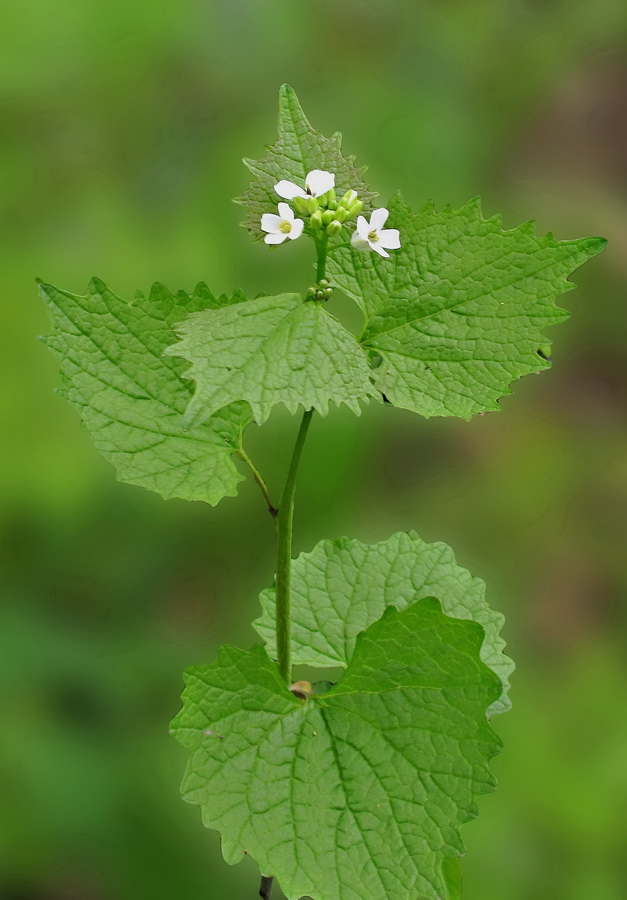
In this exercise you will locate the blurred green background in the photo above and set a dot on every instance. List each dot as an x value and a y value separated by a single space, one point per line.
122 127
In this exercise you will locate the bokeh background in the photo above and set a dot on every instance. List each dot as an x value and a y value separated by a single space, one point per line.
122 127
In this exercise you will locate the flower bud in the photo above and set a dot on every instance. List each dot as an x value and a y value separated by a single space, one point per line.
312 205
327 200
327 216
334 227
319 292
301 205
348 198
341 214
355 208
316 219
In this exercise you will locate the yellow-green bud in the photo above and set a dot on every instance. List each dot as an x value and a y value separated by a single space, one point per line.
327 200
316 219
341 214
334 227
355 208
332 204
320 292
327 216
301 205
312 204
348 198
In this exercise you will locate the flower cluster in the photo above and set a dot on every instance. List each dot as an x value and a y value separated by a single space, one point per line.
322 212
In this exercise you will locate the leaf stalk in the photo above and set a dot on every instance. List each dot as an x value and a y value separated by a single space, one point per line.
259 480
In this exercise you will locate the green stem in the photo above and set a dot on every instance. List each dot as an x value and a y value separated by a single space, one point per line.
257 476
284 520
284 523
321 248
265 891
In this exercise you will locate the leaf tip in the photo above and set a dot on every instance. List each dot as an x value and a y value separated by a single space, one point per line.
43 289
595 245
96 285
528 228
473 206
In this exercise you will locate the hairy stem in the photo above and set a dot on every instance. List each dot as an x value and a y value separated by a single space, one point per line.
284 523
265 891
257 476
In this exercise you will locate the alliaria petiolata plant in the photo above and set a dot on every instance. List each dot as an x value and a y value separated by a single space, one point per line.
355 790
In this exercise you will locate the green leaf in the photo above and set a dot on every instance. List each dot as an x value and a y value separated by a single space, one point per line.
357 793
453 879
298 150
272 350
342 586
457 313
131 398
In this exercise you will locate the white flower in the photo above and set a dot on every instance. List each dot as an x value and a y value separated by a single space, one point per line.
372 236
317 183
281 227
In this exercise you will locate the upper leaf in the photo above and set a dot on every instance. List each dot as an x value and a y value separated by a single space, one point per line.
357 793
457 313
342 586
272 350
298 151
131 398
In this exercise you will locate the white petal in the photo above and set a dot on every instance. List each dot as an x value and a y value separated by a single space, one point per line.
289 190
297 229
376 246
286 212
363 229
359 243
390 238
275 238
319 182
271 223
378 218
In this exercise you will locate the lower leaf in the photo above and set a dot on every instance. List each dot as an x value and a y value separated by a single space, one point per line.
359 792
342 586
